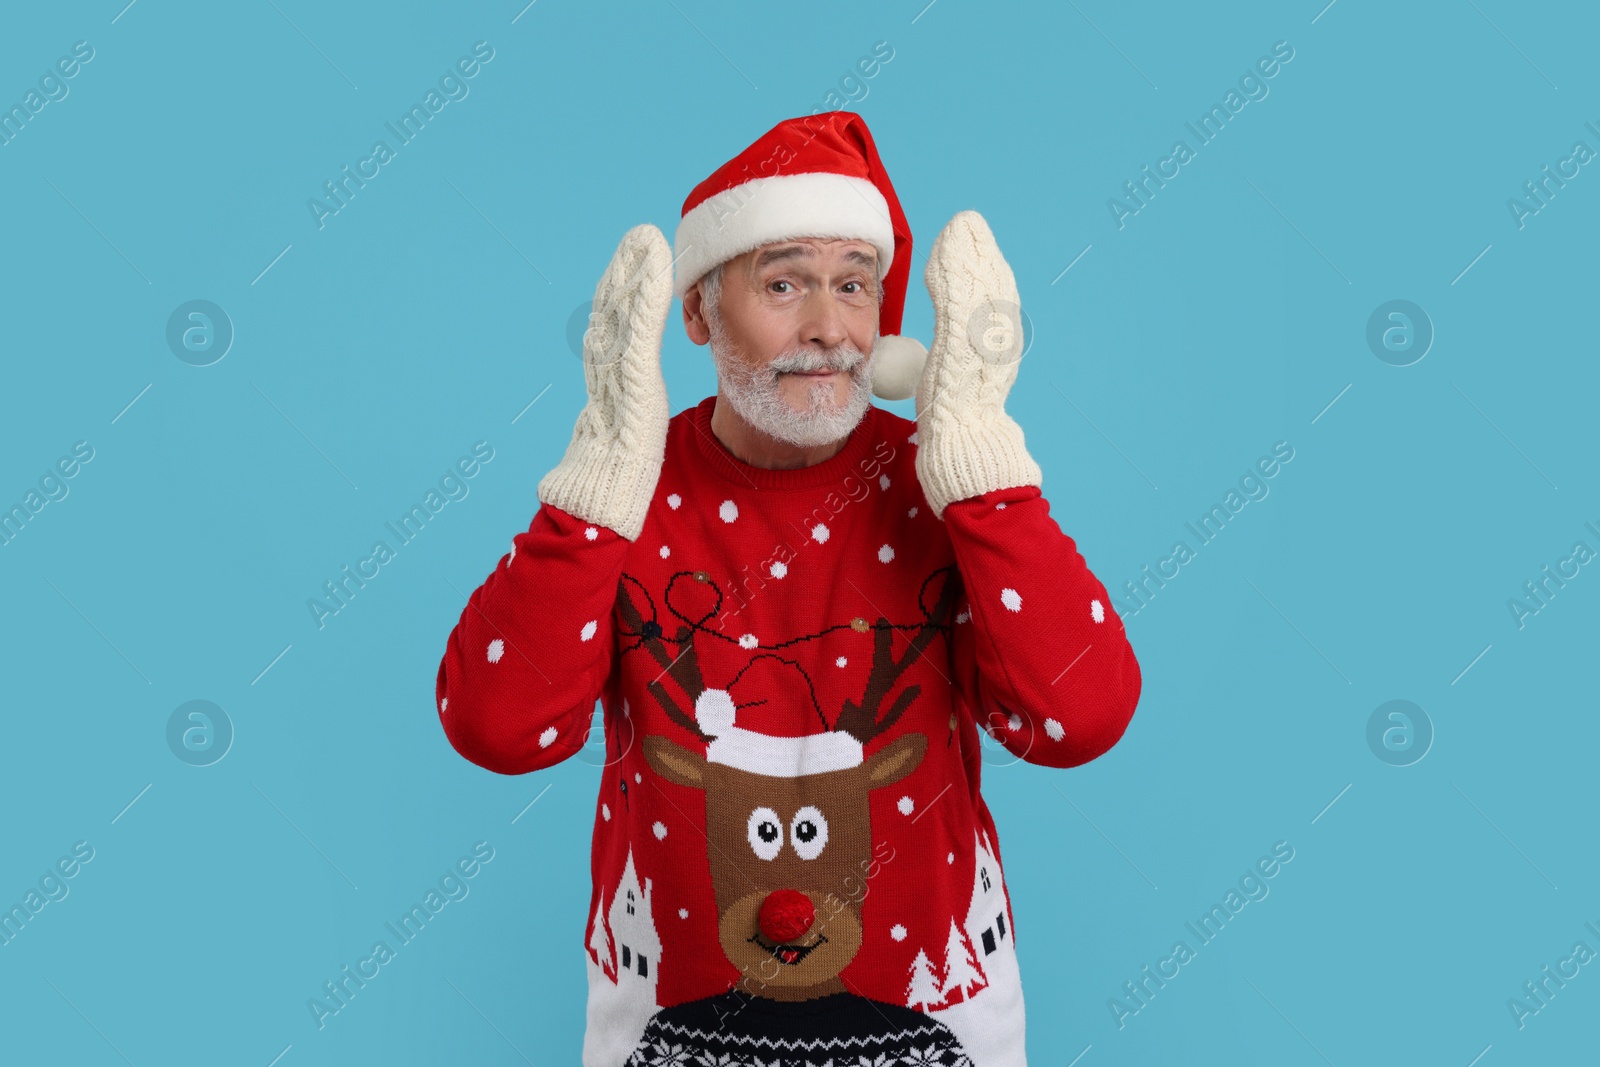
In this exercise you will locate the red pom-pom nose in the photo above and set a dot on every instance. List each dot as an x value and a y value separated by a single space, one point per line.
785 915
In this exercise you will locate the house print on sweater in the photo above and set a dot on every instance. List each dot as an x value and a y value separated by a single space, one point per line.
792 861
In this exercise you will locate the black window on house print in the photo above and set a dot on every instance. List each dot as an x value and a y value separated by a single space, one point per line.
988 940
626 957
1000 924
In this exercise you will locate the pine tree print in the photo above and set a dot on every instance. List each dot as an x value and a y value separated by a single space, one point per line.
601 944
962 975
923 992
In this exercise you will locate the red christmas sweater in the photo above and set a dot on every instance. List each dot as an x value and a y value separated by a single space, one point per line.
791 858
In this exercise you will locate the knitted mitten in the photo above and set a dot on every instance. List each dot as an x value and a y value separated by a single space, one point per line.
966 443
613 461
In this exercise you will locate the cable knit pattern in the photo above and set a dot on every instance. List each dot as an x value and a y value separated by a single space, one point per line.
613 461
967 444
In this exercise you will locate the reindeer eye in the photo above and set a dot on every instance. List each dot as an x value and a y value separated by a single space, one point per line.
765 833
808 832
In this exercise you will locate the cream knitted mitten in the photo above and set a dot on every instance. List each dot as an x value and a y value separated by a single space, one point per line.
613 461
966 443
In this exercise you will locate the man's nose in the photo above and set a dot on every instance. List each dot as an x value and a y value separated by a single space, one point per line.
824 324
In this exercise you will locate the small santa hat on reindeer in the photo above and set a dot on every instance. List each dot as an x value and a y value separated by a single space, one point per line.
813 176
769 754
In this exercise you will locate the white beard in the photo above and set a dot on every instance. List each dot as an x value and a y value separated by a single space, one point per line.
758 398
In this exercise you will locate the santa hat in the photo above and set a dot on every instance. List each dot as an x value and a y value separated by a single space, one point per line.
814 176
769 754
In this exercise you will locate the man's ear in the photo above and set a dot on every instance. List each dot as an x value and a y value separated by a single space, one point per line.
694 323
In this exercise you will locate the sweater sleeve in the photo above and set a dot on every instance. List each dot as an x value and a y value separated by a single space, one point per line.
533 648
1038 650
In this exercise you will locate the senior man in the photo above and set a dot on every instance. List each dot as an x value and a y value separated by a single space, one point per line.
796 609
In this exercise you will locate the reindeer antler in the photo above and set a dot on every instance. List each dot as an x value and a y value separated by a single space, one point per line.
684 667
861 720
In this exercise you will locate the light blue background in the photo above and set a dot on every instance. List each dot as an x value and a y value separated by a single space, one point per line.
1225 316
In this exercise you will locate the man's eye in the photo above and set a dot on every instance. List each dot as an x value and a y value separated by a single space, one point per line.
779 282
857 285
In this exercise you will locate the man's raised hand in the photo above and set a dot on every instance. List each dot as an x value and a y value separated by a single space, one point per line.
613 461
966 442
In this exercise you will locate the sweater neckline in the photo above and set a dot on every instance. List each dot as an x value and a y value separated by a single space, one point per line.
735 470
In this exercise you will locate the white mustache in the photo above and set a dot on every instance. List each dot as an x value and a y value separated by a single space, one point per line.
844 357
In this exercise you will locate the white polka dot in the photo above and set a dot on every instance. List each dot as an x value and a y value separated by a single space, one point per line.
588 630
511 557
1011 598
683 913
913 438
591 533
673 500
665 551
911 514
885 554
605 812
637 778
897 932
883 482
1014 723
905 805
819 533
1054 729
624 707
497 648
445 703
963 616
548 735
951 858
729 511
1097 611
748 641
841 661
659 828
1000 506
779 569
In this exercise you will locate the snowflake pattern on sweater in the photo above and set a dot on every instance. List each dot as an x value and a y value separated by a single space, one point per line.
793 667
736 1030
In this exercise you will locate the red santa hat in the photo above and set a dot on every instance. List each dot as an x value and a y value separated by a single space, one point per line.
769 754
813 176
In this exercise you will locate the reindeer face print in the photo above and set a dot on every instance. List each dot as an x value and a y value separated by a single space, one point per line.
789 858
792 860
788 824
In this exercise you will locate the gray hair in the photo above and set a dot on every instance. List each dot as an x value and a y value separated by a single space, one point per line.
711 292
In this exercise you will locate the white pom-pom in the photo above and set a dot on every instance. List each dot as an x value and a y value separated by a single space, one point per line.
897 363
713 711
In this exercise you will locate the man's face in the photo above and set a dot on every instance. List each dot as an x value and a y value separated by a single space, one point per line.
792 334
